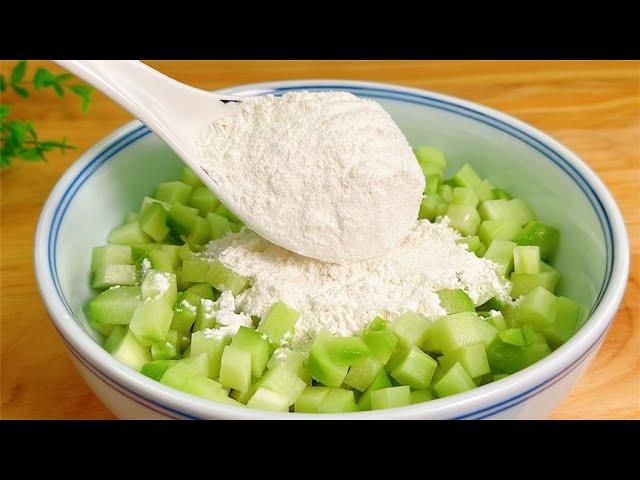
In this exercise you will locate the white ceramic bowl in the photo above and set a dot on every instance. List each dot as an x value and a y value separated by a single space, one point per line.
112 177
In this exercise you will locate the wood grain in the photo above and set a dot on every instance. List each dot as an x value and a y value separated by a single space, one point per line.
592 107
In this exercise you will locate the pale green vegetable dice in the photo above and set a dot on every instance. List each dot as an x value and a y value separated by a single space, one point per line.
265 399
416 369
472 357
526 259
212 343
501 252
362 375
222 278
456 380
454 331
128 234
411 328
279 322
338 400
113 275
391 397
284 381
464 218
114 306
130 352
235 368
310 399
110 255
151 321
161 286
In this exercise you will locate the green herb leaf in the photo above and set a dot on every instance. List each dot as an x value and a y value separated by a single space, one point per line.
84 92
28 126
39 78
81 90
58 89
18 72
17 132
84 105
43 78
66 146
32 154
63 76
48 145
20 91
18 138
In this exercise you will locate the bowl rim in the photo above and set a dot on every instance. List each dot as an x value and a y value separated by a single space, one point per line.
481 402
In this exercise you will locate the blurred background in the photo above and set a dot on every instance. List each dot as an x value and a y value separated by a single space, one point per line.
592 107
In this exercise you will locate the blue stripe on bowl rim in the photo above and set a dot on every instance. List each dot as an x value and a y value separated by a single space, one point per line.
371 92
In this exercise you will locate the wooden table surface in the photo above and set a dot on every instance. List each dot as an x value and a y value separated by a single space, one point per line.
592 107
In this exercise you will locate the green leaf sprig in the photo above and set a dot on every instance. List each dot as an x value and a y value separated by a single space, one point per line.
18 138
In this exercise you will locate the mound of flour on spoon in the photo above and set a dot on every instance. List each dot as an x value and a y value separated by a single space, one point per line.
343 299
326 174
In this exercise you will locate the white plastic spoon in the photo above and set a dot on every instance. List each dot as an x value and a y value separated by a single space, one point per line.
355 226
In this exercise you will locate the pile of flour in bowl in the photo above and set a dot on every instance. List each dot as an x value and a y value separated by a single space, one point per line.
324 174
343 299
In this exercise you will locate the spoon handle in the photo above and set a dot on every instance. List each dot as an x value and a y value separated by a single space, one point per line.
171 109
130 83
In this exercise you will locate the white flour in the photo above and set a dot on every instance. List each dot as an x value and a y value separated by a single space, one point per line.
227 320
343 299
326 175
